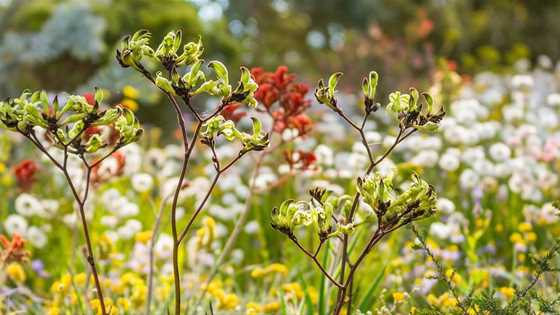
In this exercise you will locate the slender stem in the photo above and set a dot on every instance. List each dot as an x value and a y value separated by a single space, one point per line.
155 233
81 208
207 196
175 255
346 288
316 261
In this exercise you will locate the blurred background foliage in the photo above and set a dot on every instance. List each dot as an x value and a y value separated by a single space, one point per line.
69 45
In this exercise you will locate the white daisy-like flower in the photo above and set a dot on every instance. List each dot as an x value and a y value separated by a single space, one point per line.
445 205
15 224
128 209
164 246
36 237
142 182
449 162
469 179
27 205
499 152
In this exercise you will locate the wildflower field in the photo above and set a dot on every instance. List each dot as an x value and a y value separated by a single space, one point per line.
196 157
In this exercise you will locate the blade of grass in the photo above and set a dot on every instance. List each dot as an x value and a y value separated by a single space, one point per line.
323 287
370 297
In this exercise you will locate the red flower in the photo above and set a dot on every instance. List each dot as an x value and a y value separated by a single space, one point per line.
280 88
25 173
12 250
302 123
230 112
105 170
301 160
90 98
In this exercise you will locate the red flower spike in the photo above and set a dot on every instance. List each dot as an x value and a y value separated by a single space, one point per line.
279 88
13 250
230 112
25 173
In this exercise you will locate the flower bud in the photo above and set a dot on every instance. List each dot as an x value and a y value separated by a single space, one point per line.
167 49
191 53
164 84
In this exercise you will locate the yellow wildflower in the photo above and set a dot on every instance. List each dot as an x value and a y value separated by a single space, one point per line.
507 292
313 295
123 303
271 307
144 237
130 92
130 104
228 302
499 227
454 276
139 294
80 279
253 308
53 310
270 269
293 288
399 297
96 306
15 272
525 227
516 238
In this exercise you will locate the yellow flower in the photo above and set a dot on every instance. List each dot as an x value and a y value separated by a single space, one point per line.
270 269
271 307
144 237
207 233
130 104
163 292
139 294
516 238
293 288
130 92
228 302
15 272
215 288
278 268
258 272
123 303
2 167
80 279
253 308
53 310
525 227
507 292
454 277
432 299
499 227
531 236
399 297
313 294
96 306
445 300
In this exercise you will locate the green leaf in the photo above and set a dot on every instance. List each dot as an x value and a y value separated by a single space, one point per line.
369 299
220 69
369 85
98 95
333 82
429 101
164 84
